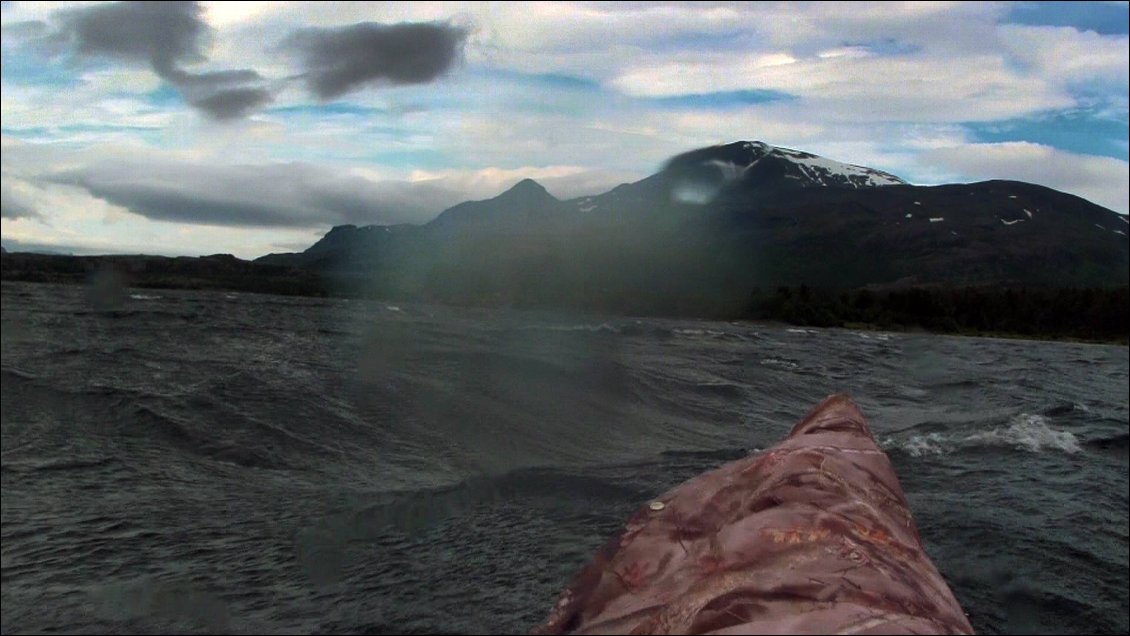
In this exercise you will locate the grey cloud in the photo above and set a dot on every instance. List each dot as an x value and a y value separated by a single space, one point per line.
588 183
163 34
166 36
214 79
232 104
26 29
13 204
339 60
15 245
278 195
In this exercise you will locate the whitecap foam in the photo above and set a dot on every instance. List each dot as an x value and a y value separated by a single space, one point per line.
603 327
1028 432
776 362
928 444
144 297
698 332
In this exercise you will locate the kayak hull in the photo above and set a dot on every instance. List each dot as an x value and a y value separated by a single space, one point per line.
813 535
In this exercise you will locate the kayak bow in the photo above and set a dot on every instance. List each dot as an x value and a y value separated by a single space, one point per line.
812 535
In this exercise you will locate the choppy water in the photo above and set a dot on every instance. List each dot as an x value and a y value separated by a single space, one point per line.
198 461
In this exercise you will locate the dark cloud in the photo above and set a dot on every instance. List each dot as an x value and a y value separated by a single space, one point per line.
214 79
277 195
165 36
338 60
232 104
162 34
169 36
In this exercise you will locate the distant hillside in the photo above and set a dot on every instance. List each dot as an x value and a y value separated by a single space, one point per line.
745 230
220 271
718 222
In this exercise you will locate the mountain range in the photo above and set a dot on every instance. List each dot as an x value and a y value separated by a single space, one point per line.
718 222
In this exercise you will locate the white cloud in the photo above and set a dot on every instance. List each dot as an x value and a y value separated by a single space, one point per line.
882 84
861 87
1101 180
17 199
1069 55
65 187
563 182
138 235
228 14
85 106
115 81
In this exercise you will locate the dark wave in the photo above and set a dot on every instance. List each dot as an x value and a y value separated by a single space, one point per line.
1118 442
449 470
321 547
182 434
1061 409
57 465
12 374
721 455
723 390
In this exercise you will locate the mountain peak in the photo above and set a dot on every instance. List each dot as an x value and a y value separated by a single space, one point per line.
792 168
527 189
525 205
738 153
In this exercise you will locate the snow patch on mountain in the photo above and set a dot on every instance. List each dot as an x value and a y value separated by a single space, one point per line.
730 170
829 172
735 161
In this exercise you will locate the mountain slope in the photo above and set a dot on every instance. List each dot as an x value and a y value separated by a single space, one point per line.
526 207
716 222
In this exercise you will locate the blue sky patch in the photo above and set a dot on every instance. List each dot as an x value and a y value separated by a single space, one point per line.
23 69
887 46
332 108
556 81
1105 18
164 96
1073 131
719 100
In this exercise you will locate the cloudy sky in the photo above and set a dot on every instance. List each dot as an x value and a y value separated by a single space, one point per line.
253 127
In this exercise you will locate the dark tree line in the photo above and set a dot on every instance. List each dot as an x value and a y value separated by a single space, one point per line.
1092 314
546 281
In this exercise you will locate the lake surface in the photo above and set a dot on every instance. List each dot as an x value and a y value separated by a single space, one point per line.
199 461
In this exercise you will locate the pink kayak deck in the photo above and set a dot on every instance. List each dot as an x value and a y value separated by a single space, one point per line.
812 535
